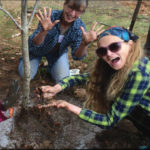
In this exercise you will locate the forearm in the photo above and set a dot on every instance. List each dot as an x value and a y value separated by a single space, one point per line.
73 108
82 50
74 80
39 38
58 88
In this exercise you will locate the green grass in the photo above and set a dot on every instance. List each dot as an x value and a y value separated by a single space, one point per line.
110 14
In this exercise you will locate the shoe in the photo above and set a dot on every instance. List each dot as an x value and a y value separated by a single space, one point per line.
143 147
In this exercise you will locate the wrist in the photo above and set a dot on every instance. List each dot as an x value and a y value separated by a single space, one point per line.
58 88
73 108
83 43
43 32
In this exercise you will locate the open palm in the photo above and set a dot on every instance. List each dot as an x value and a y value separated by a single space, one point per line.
90 36
45 20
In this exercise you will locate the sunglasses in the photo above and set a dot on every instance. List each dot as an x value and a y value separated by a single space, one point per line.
113 47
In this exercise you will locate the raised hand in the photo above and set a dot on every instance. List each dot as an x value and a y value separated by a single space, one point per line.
90 36
45 20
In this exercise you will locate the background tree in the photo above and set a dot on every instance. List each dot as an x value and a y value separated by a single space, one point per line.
137 8
24 36
147 44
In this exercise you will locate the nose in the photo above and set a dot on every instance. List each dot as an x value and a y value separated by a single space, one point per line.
73 13
109 53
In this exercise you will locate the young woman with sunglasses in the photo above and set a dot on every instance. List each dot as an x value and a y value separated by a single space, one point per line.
118 86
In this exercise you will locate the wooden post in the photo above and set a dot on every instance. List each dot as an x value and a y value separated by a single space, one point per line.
147 43
138 5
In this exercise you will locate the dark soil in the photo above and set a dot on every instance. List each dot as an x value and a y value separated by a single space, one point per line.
59 129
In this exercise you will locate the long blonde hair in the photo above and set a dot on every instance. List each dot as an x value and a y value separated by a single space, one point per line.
105 83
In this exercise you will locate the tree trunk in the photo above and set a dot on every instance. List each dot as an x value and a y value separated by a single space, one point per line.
25 52
135 14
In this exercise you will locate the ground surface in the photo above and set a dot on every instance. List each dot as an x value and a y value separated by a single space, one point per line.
52 128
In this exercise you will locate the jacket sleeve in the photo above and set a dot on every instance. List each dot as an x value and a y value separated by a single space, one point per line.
73 80
129 97
35 50
46 45
77 38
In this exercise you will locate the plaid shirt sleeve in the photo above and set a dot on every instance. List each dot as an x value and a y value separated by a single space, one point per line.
73 80
77 36
129 97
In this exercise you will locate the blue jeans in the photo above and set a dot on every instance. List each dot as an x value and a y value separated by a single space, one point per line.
58 70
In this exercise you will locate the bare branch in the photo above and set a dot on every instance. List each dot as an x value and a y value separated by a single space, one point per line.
1 3
34 10
6 12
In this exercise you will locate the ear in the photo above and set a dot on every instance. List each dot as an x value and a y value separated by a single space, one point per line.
130 42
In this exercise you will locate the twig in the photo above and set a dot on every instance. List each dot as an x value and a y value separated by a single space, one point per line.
104 24
33 12
6 12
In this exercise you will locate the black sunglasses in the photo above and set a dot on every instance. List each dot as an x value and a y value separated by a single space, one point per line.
113 47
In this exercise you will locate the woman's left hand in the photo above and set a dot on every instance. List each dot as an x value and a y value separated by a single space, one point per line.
62 104
55 103
90 36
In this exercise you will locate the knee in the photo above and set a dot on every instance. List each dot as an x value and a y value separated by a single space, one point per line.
33 70
21 69
59 76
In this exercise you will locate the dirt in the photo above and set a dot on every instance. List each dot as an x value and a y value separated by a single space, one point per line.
60 129
53 128
144 9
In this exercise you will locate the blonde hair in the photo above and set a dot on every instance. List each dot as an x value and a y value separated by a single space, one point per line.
105 83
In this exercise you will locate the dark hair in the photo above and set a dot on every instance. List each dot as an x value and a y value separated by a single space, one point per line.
78 3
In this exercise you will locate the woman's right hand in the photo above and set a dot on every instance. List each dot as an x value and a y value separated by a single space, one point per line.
45 20
92 34
49 92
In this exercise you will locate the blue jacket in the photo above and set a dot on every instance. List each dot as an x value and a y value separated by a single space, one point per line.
72 37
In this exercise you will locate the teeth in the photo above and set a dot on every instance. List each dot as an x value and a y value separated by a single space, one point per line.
113 59
70 17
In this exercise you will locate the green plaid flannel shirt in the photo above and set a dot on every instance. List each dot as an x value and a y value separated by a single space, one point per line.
136 91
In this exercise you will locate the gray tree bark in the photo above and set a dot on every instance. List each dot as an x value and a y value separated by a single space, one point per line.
1 3
24 30
25 52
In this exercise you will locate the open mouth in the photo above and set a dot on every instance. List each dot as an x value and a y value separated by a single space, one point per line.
115 60
70 17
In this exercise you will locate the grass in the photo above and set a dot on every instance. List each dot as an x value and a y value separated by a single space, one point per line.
107 12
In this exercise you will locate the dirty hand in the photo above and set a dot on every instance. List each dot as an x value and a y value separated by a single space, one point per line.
45 20
55 103
48 91
62 104
90 36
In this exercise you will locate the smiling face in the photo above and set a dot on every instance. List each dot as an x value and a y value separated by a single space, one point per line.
117 59
72 12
